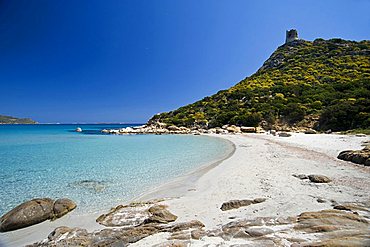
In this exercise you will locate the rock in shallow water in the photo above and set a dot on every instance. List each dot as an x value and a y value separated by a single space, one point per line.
35 211
91 185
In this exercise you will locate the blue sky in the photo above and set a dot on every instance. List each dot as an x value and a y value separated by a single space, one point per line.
123 61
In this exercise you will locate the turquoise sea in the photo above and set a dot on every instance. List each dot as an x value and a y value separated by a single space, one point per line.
96 171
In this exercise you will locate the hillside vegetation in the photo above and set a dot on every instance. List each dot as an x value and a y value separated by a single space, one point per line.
14 120
325 81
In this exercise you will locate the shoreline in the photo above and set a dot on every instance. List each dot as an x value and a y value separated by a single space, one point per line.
87 221
178 186
259 166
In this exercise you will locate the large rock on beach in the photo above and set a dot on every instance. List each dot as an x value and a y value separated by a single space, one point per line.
136 214
233 204
62 207
319 179
125 215
35 211
356 156
159 214
27 214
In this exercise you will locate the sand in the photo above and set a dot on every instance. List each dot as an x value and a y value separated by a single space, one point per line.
261 166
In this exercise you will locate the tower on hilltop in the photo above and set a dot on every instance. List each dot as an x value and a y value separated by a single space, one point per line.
291 35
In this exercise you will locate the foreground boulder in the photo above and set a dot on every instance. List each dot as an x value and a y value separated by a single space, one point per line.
35 211
356 156
136 214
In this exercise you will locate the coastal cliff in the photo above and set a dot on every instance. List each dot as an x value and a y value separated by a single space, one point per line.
321 84
14 120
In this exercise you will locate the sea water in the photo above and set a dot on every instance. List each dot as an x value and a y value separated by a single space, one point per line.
96 171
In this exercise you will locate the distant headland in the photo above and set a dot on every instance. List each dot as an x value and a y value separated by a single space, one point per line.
14 120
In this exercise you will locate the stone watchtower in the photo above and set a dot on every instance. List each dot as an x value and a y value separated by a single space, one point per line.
291 35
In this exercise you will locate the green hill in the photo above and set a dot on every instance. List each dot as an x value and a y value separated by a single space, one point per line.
325 83
14 120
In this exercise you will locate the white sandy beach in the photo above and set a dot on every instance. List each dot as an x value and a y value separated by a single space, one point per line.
261 166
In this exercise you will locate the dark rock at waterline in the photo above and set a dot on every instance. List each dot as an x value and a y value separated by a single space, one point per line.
35 211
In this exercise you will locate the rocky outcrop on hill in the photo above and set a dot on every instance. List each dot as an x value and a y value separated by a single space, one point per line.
35 211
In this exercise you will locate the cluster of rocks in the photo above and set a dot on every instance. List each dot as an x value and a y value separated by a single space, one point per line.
35 211
162 128
344 225
125 224
356 156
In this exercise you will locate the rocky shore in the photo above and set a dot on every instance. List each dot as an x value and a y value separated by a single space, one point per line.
271 192
342 225
162 128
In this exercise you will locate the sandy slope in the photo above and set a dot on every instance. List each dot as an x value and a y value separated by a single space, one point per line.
261 166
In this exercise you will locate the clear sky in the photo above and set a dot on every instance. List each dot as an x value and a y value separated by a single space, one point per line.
123 61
